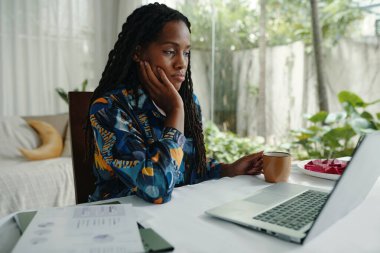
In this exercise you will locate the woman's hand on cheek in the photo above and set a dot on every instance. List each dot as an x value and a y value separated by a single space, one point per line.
160 89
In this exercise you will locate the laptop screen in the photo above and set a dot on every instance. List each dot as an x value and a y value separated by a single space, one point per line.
352 187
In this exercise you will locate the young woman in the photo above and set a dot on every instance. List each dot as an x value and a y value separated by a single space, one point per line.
146 135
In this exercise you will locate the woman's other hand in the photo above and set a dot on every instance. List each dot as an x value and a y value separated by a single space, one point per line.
247 165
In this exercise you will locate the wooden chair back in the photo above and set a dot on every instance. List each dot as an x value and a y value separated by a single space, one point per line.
84 180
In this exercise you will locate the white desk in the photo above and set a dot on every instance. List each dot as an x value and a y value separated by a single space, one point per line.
183 223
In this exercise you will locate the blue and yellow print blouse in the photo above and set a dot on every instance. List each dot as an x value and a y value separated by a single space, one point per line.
136 154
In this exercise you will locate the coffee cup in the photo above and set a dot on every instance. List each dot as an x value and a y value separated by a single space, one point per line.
276 166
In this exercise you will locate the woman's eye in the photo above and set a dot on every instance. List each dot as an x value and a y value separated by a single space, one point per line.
169 52
186 54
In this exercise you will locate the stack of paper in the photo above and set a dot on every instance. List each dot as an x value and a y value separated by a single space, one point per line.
103 228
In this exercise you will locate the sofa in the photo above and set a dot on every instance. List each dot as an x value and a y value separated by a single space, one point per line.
34 183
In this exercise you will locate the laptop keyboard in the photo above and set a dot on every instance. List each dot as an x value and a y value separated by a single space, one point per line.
296 212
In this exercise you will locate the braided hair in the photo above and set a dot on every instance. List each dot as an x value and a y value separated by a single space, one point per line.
142 27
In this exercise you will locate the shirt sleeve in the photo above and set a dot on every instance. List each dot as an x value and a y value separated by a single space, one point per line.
213 167
151 170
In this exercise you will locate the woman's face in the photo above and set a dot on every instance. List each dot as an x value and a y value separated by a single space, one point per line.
170 52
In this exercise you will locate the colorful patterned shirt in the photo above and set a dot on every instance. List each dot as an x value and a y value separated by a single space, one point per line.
136 154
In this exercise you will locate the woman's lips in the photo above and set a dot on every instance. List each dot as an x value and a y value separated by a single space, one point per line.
179 78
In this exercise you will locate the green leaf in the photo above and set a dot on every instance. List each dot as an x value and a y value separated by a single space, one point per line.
378 115
368 131
314 129
84 85
366 115
351 98
359 124
345 152
318 117
349 108
63 94
336 137
331 142
335 117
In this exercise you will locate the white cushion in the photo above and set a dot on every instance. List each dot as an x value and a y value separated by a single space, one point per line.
14 134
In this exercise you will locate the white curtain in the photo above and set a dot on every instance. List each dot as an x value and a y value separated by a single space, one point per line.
45 44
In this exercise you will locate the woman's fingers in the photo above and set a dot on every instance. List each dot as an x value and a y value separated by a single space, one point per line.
255 156
258 154
149 81
144 74
164 78
152 77
256 163
155 81
254 171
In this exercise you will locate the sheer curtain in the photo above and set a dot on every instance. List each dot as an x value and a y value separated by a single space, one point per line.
45 44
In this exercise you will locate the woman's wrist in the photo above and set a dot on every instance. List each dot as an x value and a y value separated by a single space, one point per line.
176 119
227 170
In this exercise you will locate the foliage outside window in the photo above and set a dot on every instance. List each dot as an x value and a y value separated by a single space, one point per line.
332 135
227 147
237 22
329 135
237 28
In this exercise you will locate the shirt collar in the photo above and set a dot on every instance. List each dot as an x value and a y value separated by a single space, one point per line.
145 104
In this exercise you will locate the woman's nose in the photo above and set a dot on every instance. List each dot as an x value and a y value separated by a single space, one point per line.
181 62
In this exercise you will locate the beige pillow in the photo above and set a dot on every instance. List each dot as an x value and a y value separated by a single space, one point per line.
51 142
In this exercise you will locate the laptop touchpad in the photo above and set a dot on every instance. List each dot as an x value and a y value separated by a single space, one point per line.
276 193
266 198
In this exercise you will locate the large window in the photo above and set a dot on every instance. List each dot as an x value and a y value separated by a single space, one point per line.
226 62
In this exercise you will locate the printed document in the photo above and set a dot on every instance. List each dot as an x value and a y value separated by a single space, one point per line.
99 228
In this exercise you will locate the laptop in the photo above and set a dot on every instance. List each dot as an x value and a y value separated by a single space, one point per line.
298 213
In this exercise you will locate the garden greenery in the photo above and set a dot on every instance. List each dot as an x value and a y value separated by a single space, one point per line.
328 135
331 135
227 147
